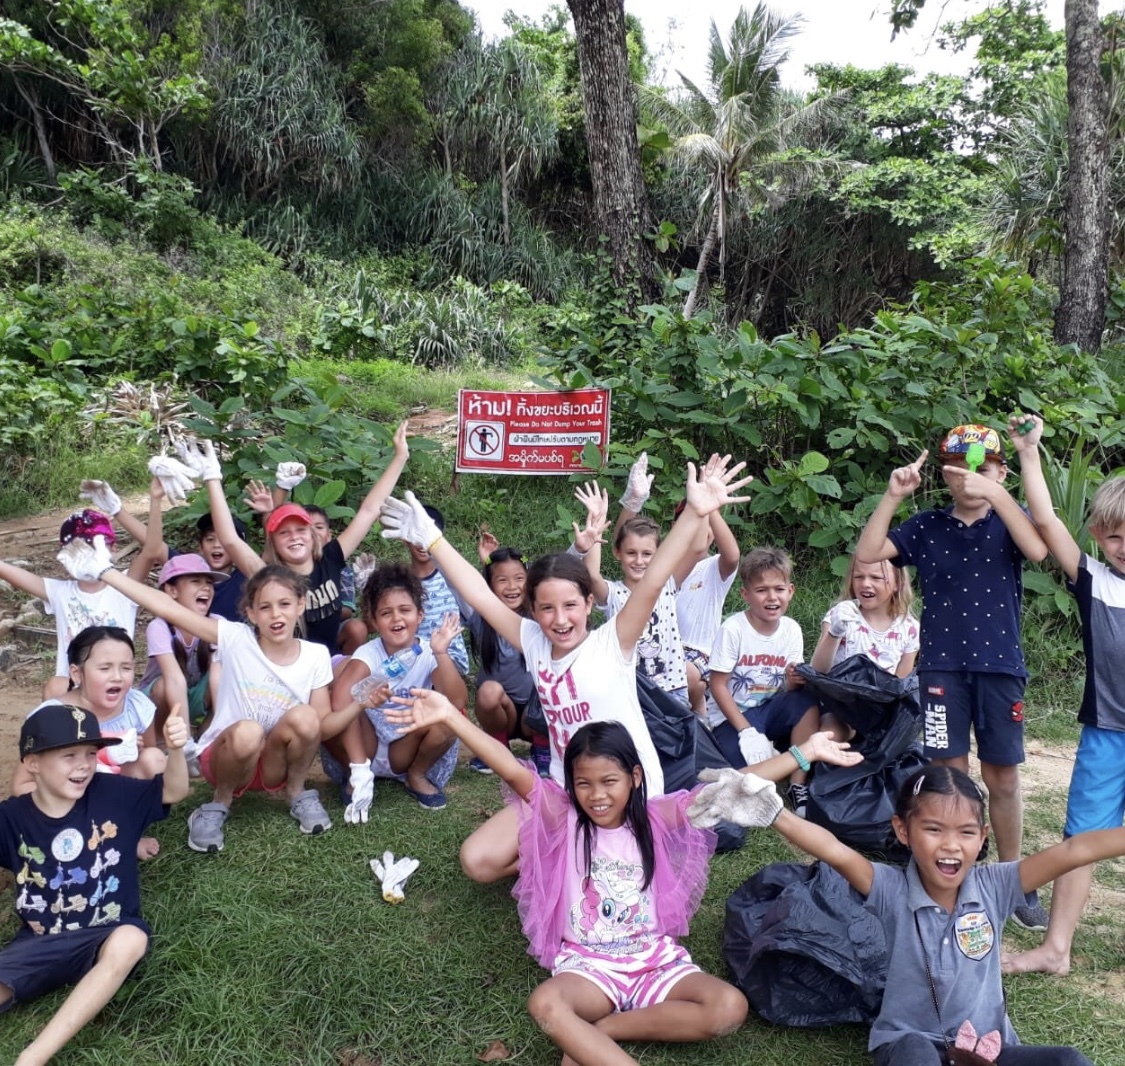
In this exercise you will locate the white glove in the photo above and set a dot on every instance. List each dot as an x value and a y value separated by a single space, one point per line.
363 566
201 458
85 562
842 615
362 783
408 521
639 485
101 496
755 746
175 478
289 475
392 875
125 752
734 797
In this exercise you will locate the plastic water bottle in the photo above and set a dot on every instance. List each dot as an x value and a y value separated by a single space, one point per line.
389 672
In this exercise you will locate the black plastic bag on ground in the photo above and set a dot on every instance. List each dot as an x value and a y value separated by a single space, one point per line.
803 949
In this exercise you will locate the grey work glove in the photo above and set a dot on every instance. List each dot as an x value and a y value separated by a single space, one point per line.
732 796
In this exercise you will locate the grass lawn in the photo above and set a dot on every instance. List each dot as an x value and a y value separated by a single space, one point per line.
280 950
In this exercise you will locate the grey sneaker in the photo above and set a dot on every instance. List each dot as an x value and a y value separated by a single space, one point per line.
1032 915
205 827
309 812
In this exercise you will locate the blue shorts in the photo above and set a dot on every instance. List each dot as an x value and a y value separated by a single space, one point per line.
31 965
1097 783
775 718
991 704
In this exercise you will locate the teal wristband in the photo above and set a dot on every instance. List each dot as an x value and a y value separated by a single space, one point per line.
802 762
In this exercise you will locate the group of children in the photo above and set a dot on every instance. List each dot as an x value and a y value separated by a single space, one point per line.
609 869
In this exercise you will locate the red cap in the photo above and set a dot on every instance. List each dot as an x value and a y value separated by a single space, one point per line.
286 510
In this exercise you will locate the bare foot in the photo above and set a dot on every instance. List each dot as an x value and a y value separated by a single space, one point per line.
148 848
1038 960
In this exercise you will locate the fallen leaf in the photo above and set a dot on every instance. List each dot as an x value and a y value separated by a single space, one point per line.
495 1052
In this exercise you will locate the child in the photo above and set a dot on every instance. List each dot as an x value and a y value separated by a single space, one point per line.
438 599
504 686
609 881
73 840
352 632
273 693
392 607
755 691
180 669
291 541
942 916
79 604
699 605
660 650
581 676
1097 784
969 560
102 668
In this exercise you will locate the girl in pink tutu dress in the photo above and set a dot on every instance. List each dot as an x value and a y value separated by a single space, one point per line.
608 881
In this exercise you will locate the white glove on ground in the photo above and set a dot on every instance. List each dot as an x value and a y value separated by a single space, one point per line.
85 562
101 496
392 875
362 782
407 520
176 479
125 752
639 486
289 475
201 458
744 799
755 746
842 615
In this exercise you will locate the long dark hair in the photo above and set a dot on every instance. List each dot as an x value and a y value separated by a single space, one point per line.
79 649
179 650
489 648
611 740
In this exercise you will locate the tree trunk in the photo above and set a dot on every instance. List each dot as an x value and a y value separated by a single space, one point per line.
31 98
620 205
704 262
1080 318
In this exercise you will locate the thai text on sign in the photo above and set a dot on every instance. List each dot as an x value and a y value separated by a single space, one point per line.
530 432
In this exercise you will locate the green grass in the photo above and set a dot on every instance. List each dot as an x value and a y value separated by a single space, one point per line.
280 950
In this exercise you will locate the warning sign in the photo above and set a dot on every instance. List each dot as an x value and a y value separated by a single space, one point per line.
530 432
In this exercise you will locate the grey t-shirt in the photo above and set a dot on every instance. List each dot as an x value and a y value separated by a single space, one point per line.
963 949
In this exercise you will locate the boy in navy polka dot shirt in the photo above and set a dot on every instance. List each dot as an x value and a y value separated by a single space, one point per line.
969 561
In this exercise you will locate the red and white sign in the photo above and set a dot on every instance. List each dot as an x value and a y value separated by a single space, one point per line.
529 432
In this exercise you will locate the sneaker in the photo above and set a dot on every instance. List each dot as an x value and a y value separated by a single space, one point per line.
205 827
309 812
1032 915
541 757
799 799
479 765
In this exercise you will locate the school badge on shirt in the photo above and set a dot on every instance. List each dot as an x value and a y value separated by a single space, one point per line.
975 935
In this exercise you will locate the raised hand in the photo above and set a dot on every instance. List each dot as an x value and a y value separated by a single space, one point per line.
407 520
258 496
821 747
85 561
444 635
402 448
176 478
1025 432
363 566
639 486
905 479
289 475
742 798
101 496
712 487
486 545
596 502
201 458
422 708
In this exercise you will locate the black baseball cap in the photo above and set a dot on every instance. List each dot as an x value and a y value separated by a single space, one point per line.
59 725
206 524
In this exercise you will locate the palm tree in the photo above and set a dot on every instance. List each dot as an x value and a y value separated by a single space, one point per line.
740 126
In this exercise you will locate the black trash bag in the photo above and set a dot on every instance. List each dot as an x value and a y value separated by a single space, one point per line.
672 728
803 949
860 692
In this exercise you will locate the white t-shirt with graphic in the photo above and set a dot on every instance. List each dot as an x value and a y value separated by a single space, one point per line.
593 683
660 650
253 688
75 610
699 603
885 647
756 662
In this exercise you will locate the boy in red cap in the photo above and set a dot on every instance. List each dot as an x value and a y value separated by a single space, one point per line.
72 844
971 674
